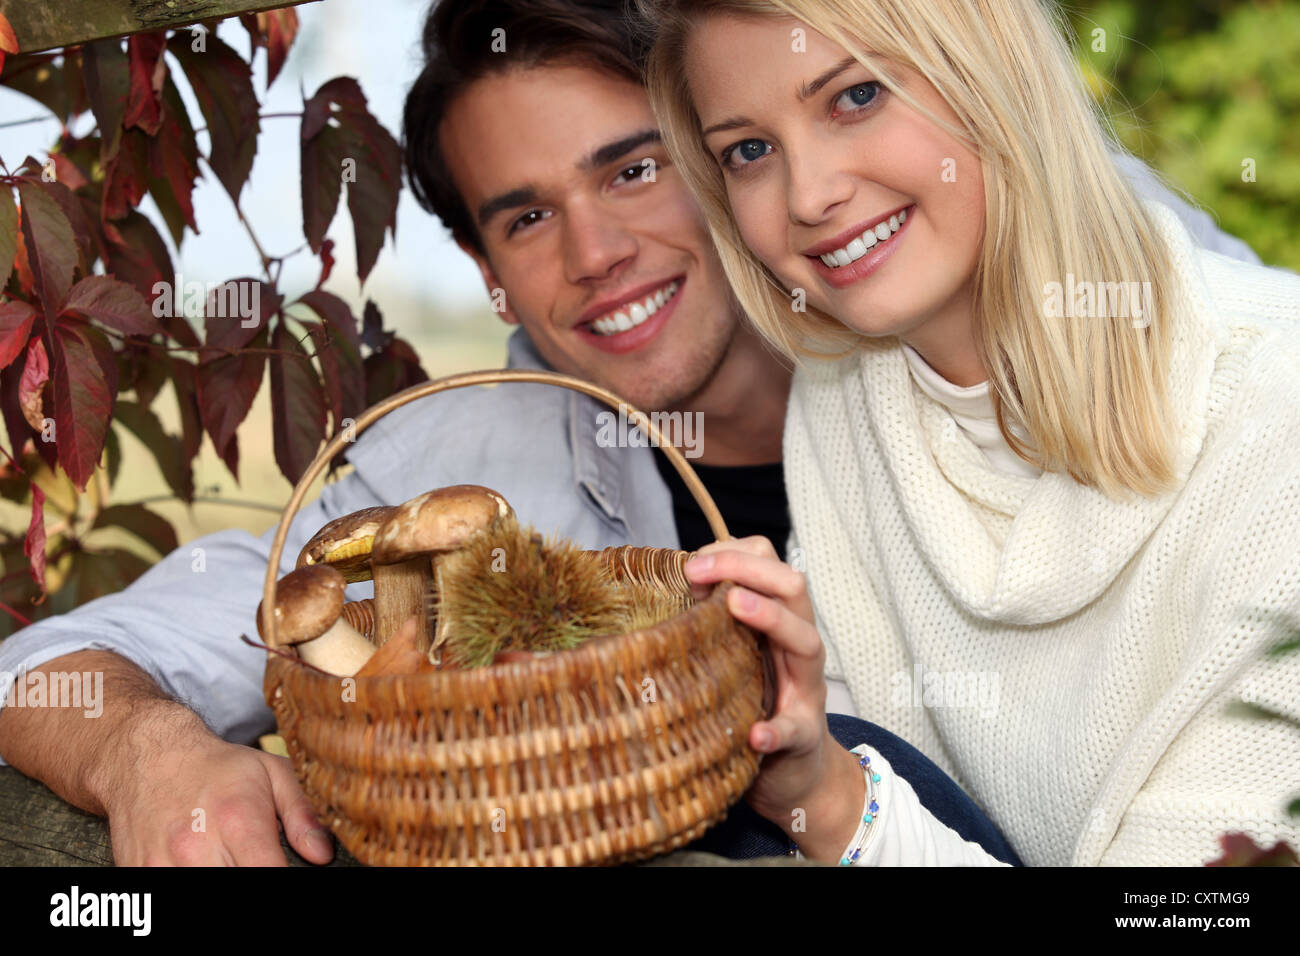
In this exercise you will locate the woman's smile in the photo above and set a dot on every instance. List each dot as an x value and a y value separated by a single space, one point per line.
842 262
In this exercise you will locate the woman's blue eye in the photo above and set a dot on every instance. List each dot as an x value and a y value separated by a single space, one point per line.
744 152
856 97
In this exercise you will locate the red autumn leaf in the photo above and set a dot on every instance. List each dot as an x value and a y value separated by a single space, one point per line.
226 388
51 246
107 75
126 176
373 335
1240 850
297 406
8 42
338 346
237 310
279 27
114 303
34 540
148 70
374 173
174 162
223 85
322 183
15 327
83 232
36 372
326 261
138 255
8 235
68 172
84 385
185 384
394 368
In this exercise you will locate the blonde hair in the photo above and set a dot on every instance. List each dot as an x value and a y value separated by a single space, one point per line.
1091 393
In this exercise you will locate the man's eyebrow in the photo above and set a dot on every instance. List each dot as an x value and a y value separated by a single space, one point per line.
810 89
490 208
604 155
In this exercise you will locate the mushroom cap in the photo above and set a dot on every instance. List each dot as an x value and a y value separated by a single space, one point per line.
307 602
345 543
436 521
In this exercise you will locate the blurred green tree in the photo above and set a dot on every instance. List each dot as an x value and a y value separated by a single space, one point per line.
1208 93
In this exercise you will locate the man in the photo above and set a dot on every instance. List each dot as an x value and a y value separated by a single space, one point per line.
544 161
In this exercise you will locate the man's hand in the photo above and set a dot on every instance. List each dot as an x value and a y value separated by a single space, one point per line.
807 776
192 799
173 792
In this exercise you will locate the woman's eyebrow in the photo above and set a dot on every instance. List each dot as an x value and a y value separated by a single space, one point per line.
736 122
807 90
810 89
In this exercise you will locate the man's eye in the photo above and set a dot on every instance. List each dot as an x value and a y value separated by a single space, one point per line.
857 97
529 218
637 171
745 152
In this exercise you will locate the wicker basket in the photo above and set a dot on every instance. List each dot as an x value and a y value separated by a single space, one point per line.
626 747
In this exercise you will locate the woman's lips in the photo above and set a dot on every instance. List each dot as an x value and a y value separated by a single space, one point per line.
635 338
859 269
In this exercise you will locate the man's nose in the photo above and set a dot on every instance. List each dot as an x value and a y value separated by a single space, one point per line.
595 244
815 186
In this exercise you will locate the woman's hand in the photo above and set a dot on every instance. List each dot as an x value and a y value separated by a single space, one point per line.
808 784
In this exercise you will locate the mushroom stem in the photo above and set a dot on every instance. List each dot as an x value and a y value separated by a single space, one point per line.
401 589
341 650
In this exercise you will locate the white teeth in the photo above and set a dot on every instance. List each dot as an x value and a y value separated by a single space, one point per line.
859 247
633 314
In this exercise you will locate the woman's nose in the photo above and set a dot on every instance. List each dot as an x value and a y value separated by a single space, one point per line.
815 187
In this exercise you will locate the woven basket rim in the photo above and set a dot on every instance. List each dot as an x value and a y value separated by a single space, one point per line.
457 681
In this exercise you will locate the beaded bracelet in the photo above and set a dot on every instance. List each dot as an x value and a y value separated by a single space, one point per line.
871 809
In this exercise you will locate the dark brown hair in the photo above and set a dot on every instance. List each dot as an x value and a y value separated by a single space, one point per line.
463 42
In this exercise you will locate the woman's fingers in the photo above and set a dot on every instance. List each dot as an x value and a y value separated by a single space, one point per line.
765 574
800 656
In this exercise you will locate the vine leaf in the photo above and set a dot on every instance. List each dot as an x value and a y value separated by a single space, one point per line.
84 385
336 128
51 246
114 303
297 406
34 540
16 320
223 85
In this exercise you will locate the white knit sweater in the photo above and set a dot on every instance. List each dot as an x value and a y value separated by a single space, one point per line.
1066 658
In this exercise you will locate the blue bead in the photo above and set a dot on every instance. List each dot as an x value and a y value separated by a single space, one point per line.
874 806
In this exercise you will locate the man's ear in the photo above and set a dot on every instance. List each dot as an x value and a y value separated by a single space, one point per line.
496 292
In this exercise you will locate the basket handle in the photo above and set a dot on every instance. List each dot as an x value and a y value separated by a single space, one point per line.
464 380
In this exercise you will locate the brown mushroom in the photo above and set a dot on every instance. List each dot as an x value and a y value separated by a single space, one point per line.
345 543
406 547
308 609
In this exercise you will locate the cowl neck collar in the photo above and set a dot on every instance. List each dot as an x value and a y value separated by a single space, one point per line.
1066 542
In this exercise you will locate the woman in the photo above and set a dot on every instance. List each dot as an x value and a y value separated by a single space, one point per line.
1036 437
